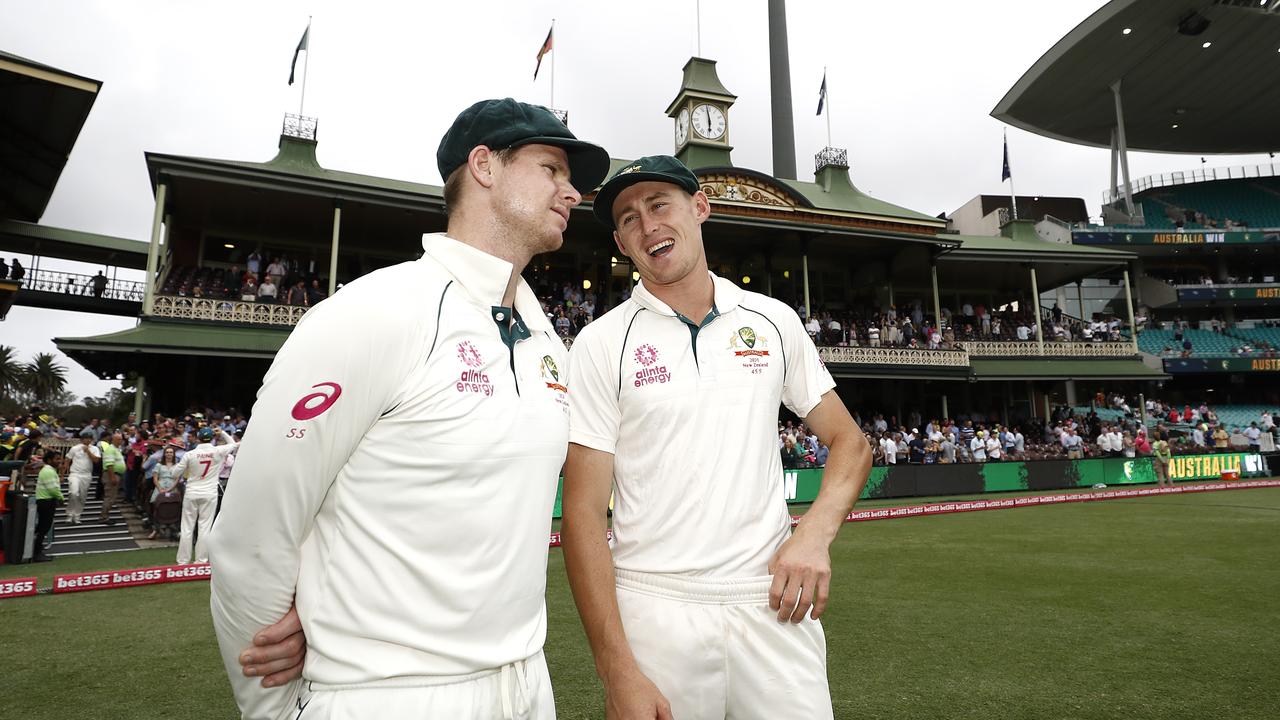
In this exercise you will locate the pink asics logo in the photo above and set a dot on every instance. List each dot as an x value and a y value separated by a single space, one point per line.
307 408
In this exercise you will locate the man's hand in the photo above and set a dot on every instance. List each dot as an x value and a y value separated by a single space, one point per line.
801 572
277 652
629 695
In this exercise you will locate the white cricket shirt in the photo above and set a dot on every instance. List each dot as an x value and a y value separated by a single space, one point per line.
398 475
202 464
692 425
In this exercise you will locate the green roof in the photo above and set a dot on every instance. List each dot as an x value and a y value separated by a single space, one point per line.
181 338
297 159
984 369
833 190
48 241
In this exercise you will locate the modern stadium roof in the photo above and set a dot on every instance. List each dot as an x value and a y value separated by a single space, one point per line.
42 110
1197 76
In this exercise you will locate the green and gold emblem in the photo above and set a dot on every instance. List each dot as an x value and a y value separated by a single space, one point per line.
551 367
748 336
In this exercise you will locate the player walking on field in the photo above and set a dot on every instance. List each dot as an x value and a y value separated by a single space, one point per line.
200 467
398 482
706 607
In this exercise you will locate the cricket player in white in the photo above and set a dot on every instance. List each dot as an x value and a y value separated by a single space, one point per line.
708 606
398 476
79 468
200 467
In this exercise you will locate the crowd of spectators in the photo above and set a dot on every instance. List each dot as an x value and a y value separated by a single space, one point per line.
283 280
147 447
910 326
570 309
1067 435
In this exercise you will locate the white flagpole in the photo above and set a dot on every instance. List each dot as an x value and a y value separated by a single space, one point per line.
698 10
306 65
553 63
826 99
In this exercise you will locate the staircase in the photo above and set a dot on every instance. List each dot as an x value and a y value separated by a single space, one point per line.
93 535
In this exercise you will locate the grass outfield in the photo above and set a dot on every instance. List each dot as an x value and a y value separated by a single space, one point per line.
1157 607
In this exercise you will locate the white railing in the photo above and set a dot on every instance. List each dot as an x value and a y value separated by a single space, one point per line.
225 310
893 356
987 348
1234 172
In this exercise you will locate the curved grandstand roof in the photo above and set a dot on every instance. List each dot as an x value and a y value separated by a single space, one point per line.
1178 95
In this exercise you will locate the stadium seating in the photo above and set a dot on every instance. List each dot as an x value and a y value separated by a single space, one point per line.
1253 201
1240 415
1204 343
1270 337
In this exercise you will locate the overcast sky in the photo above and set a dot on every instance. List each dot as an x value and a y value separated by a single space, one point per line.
911 88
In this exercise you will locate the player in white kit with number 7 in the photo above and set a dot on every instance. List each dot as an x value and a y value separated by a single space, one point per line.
200 467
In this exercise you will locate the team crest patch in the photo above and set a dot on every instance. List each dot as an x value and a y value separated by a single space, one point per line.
751 348
627 170
551 374
744 342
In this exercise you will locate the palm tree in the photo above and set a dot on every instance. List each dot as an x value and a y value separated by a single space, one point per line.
11 371
45 377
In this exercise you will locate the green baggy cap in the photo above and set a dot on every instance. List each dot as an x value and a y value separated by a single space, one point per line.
507 123
659 168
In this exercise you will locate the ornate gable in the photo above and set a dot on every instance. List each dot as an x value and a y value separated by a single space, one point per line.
735 186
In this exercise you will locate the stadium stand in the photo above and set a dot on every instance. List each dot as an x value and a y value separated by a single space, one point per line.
1252 202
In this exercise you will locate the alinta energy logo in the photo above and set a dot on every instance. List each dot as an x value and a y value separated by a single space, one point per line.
472 380
650 373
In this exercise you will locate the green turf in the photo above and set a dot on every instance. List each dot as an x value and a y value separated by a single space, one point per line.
1159 607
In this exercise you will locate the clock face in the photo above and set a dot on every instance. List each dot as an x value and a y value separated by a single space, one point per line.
682 127
708 121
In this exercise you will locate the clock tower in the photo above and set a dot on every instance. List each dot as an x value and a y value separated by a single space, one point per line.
701 115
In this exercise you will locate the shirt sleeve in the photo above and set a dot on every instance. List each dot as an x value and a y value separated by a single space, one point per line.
807 378
594 415
337 373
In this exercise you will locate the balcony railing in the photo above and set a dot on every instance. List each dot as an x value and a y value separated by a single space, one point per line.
986 348
226 310
893 356
1235 172
831 157
65 283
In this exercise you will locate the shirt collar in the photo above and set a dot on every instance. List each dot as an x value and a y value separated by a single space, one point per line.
484 277
727 296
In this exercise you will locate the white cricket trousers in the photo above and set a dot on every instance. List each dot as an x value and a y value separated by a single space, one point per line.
717 652
519 691
78 493
197 511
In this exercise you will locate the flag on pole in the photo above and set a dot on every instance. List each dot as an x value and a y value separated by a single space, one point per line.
302 45
822 92
546 48
1005 174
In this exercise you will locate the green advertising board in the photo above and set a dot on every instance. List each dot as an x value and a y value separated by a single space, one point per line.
801 486
1194 237
1251 294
